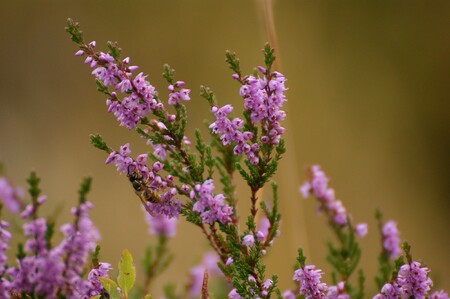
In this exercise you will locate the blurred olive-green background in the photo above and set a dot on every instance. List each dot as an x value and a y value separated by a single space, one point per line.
368 100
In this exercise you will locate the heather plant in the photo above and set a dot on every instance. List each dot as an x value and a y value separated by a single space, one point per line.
196 181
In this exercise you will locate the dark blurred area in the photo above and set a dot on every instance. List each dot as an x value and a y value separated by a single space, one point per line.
368 100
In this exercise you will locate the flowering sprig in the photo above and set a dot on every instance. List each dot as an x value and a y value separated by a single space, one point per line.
408 280
391 249
44 270
309 279
345 257
165 132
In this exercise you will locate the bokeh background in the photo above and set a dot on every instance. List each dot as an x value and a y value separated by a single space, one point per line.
368 100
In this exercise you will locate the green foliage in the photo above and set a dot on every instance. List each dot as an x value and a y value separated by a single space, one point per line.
233 62
127 273
34 191
98 142
157 258
20 252
85 187
269 57
102 88
168 73
95 256
208 94
407 250
301 259
73 28
110 287
191 216
114 50
169 291
125 279
49 234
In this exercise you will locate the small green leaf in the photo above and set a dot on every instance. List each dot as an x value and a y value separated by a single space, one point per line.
96 297
127 273
147 297
110 287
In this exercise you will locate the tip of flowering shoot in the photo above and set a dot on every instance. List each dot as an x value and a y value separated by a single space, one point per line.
98 142
168 73
114 49
85 187
208 94
269 58
361 229
73 28
33 180
301 259
233 62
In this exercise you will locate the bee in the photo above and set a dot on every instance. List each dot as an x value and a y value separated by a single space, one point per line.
140 186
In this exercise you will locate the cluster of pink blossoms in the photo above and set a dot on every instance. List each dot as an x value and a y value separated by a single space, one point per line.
317 184
176 93
50 271
391 241
309 280
140 96
167 205
93 287
412 281
263 98
261 234
210 207
10 196
311 287
160 225
230 131
266 285
140 99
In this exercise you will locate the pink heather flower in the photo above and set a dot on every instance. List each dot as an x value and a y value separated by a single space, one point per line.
230 132
229 261
80 240
10 197
310 285
361 229
35 231
263 99
337 292
414 280
233 294
92 286
176 94
139 95
439 295
263 228
267 284
317 185
305 189
5 237
160 225
391 240
248 240
211 207
390 291
289 295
